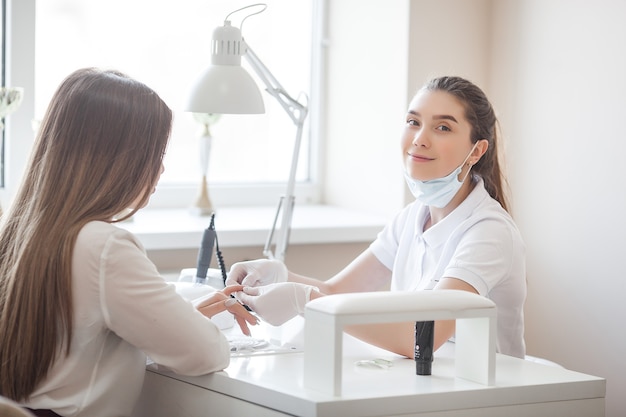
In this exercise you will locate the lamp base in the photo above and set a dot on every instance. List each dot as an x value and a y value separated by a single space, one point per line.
203 205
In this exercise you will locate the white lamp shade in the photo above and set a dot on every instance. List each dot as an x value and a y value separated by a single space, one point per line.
226 89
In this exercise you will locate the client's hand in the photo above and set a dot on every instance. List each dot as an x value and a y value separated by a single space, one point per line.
219 301
276 303
256 273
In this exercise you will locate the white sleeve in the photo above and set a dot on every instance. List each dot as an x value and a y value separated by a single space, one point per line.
484 256
143 309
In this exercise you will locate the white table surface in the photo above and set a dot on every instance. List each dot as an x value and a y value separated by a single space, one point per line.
273 385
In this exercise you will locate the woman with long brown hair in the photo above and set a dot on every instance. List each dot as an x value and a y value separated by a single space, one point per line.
81 305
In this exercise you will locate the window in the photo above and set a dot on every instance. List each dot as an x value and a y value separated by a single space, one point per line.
3 7
167 45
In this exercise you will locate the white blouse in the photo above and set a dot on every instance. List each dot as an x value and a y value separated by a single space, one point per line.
123 311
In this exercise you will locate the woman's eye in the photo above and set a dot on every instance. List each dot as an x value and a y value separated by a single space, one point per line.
444 128
412 122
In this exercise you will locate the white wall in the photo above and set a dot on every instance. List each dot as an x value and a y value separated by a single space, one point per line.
559 71
449 37
366 103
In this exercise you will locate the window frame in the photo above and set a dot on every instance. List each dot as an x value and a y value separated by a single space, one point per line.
3 37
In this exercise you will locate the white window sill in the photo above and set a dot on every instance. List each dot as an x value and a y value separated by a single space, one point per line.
161 229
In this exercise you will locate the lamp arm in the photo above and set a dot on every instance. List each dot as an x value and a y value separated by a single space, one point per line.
297 112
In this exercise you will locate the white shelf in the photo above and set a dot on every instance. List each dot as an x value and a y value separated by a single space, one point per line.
160 229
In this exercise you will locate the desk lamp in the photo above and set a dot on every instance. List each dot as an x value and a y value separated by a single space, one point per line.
227 88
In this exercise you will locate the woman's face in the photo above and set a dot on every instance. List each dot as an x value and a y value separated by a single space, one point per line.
436 138
136 202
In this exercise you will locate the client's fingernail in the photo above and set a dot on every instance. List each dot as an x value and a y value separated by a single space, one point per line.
230 302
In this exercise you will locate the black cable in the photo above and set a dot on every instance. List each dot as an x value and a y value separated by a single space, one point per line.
220 260
218 252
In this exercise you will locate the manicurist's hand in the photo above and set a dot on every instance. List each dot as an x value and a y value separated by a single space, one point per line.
256 273
220 301
275 303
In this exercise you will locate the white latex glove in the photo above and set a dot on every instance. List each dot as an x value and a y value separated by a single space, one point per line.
256 273
277 303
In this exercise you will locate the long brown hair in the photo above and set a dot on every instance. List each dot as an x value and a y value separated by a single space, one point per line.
99 149
480 114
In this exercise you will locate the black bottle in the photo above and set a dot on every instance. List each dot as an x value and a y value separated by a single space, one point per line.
424 342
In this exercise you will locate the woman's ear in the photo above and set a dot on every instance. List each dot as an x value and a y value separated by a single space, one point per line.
479 150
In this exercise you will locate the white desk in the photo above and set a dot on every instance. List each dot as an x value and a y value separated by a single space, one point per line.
272 385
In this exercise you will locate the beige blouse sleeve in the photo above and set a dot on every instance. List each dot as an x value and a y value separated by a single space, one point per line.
140 307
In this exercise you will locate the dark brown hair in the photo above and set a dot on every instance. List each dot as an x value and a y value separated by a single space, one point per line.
99 149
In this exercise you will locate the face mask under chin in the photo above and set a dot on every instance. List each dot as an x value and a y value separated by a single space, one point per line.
439 191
